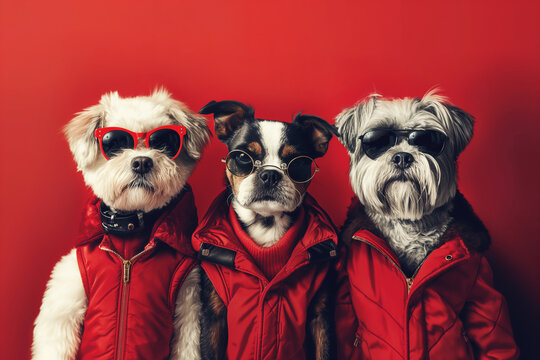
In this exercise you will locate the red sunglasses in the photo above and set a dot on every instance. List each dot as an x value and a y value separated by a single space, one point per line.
112 140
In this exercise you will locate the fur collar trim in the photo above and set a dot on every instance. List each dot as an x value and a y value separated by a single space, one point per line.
465 224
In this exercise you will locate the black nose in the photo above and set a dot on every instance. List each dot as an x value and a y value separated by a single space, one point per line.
142 164
270 177
402 160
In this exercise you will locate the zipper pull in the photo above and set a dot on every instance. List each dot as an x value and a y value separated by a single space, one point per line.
127 271
409 284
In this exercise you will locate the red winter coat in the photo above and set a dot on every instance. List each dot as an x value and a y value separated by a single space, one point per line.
265 319
448 310
131 302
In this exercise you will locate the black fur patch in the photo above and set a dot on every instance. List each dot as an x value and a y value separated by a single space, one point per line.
213 322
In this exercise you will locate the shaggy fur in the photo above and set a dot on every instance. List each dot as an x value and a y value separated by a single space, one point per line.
465 223
410 207
58 326
113 180
185 342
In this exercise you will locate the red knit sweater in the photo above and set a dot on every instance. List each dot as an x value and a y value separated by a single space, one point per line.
270 260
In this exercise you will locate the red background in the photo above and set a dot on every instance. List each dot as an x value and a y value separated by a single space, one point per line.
58 57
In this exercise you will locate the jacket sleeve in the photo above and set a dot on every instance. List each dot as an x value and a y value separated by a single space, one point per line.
345 318
486 319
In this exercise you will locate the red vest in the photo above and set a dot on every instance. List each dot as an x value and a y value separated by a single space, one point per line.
266 319
131 302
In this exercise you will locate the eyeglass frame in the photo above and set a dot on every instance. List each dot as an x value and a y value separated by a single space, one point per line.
283 166
403 134
179 129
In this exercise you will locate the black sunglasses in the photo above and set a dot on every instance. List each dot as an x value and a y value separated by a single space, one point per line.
377 141
301 169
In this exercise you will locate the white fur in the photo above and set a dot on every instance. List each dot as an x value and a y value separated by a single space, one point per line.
186 339
271 139
58 325
113 180
262 235
410 207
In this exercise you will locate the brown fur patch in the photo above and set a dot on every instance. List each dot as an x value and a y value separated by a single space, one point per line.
227 124
215 303
288 150
234 181
218 329
320 339
255 148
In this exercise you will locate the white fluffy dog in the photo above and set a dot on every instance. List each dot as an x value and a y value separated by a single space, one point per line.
137 179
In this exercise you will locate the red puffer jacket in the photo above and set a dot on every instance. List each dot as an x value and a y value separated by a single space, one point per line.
447 310
265 319
131 301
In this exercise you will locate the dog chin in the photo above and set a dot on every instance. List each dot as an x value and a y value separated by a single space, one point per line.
403 200
142 198
268 207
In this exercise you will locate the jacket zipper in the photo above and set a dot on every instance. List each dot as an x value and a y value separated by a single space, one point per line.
408 283
126 278
266 285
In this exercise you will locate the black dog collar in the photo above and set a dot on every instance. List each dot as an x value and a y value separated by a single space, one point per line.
132 222
126 223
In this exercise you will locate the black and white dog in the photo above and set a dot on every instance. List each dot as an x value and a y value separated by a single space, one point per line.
268 169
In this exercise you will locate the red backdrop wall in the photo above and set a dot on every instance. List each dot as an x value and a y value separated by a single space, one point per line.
59 56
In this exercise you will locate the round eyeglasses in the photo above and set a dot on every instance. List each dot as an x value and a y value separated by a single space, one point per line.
300 169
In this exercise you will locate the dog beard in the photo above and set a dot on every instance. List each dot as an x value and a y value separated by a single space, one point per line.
120 188
410 194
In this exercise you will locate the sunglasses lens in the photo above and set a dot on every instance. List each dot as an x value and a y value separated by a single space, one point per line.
239 163
115 141
376 142
428 141
301 169
166 140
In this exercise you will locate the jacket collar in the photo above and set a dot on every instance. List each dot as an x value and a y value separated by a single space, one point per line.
174 227
215 231
465 226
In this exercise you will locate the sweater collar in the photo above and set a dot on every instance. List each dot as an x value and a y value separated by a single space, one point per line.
270 259
173 227
216 229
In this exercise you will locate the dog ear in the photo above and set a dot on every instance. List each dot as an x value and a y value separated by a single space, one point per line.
349 122
79 133
463 129
458 123
197 131
228 117
317 130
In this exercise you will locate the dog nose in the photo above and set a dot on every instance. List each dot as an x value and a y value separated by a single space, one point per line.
269 177
142 164
402 160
